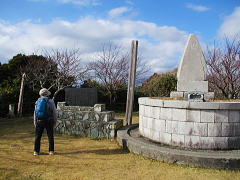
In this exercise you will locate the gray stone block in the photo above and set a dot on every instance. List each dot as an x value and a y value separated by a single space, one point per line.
175 94
142 100
208 96
228 129
234 142
221 116
166 138
175 127
178 140
207 142
154 102
179 114
160 125
169 126
156 112
193 115
236 129
214 129
155 135
204 105
207 116
148 111
192 141
150 123
221 142
141 110
186 128
145 121
200 129
230 105
166 113
185 85
234 116
176 104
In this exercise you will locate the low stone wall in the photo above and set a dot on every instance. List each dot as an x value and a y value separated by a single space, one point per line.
87 121
200 125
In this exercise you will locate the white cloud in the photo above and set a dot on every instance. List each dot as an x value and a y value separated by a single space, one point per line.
231 24
198 8
116 12
159 45
82 2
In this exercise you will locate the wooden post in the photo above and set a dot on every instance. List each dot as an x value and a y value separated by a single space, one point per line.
131 83
20 101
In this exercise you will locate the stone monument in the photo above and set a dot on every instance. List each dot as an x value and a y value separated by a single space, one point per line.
191 73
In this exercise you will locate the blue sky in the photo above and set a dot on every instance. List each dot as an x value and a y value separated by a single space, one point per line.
161 26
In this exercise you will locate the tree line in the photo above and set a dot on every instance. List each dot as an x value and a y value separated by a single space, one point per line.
57 69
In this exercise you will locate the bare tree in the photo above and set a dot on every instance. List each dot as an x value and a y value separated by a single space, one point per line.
111 69
224 68
58 69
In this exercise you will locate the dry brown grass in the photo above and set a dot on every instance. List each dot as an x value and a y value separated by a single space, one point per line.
83 158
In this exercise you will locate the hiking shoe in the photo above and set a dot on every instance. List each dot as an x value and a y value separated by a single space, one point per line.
51 153
35 153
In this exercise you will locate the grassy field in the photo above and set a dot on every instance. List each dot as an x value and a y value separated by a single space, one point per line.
83 158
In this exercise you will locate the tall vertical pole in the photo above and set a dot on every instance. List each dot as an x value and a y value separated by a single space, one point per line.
131 82
20 101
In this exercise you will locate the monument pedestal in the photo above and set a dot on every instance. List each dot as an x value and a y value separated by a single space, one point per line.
184 95
192 86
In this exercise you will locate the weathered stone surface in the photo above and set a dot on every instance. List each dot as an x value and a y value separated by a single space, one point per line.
192 141
214 129
234 116
166 138
175 94
185 85
160 125
192 67
179 114
84 121
175 127
207 116
200 129
228 129
166 113
185 128
221 116
178 140
169 126
193 115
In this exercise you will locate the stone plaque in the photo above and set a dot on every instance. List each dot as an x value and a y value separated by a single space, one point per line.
196 96
81 96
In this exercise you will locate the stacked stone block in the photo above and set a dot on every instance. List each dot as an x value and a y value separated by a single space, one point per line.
87 121
201 125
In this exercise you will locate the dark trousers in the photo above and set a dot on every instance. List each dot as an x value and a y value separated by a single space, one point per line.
40 126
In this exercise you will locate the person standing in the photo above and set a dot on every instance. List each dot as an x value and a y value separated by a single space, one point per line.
45 117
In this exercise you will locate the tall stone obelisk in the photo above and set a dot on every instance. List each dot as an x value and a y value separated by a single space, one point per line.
192 70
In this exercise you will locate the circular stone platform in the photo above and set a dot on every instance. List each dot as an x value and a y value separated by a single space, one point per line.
130 139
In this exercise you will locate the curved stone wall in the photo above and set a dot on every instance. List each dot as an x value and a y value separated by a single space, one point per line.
198 125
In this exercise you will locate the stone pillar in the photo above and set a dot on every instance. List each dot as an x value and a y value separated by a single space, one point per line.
11 111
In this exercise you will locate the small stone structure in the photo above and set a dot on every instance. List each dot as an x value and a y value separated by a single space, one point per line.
87 121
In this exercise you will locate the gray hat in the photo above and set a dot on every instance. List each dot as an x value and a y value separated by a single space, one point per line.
44 92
